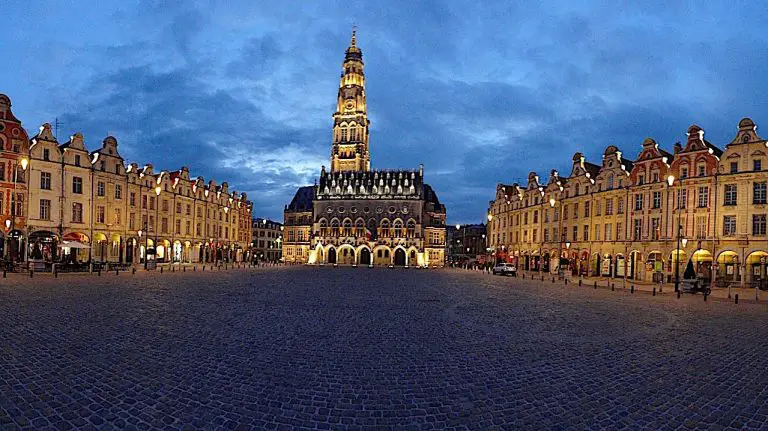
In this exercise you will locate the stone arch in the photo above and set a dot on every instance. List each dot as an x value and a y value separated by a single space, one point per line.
399 256
331 255
346 255
347 227
364 255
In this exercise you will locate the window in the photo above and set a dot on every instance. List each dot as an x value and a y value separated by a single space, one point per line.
575 233
118 216
640 180
610 182
45 180
701 227
132 199
525 218
100 214
77 160
77 212
132 221
77 185
2 171
535 217
734 167
546 216
118 191
608 232
576 210
609 207
164 225
620 209
178 226
757 165
100 189
655 228
702 200
729 225
151 202
188 227
682 198
638 201
546 235
45 209
655 177
189 209
730 194
586 208
619 231
117 168
656 199
586 232
178 207
165 205
758 224
46 156
684 172
565 212
637 229
701 170
758 193
597 232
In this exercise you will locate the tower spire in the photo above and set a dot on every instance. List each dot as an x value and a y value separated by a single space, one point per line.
350 121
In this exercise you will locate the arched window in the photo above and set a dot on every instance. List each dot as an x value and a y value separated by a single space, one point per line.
411 228
347 227
335 227
384 232
323 227
398 228
359 227
610 182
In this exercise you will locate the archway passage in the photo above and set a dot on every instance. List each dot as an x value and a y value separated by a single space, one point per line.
399 257
365 257
381 256
332 255
346 256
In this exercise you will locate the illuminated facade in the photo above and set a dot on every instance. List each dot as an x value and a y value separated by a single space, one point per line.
619 218
358 216
73 204
267 236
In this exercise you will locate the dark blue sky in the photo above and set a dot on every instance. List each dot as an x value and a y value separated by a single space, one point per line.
480 92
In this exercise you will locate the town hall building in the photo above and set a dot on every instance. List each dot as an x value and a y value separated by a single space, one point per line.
357 216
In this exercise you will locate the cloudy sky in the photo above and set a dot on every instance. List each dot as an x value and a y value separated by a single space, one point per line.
480 92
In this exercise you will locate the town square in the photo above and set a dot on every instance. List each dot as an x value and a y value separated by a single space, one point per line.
350 348
247 215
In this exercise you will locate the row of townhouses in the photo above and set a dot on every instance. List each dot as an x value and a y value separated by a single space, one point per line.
61 201
637 218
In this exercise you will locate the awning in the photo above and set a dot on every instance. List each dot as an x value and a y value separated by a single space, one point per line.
73 244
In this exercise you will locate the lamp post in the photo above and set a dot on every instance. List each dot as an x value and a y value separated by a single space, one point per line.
488 237
24 162
670 181
7 239
158 189
140 232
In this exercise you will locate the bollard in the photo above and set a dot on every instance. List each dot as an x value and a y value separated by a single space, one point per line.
654 291
194 268
566 281
203 268
542 278
736 300
579 282
613 287
99 272
56 274
161 270
31 273
5 275
678 294
553 280
632 289
705 297
133 271
523 276
185 269
595 285
117 272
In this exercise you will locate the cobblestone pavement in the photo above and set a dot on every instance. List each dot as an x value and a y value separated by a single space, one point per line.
345 348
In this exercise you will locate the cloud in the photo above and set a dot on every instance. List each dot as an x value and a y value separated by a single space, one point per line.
480 92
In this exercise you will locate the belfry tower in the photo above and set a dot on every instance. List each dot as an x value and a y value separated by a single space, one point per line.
350 121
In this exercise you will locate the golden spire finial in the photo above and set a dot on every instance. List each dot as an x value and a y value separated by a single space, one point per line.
354 36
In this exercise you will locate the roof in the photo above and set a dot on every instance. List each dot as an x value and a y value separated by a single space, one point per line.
302 200
431 196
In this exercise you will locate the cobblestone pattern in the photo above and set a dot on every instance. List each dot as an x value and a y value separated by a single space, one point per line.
323 348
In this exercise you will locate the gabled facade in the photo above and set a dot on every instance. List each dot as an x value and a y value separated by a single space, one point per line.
621 219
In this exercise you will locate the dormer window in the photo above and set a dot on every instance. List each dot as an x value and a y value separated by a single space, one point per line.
655 177
701 170
46 154
757 165
683 172
640 179
734 167
77 160
610 182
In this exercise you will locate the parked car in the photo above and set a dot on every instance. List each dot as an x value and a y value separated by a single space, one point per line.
505 269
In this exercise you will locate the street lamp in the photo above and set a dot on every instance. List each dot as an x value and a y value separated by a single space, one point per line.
670 181
157 220
146 246
24 163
